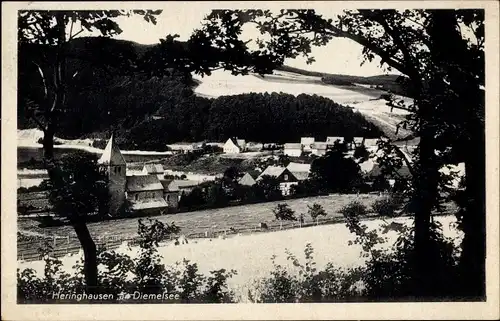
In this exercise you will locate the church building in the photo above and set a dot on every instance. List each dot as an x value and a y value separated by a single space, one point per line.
145 192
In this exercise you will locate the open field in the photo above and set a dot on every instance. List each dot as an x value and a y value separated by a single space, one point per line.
364 100
250 255
243 218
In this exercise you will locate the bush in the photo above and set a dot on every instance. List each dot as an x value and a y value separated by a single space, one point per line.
354 209
119 274
305 283
387 206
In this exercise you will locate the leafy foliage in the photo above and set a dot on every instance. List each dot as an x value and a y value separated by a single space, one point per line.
120 276
388 205
79 187
336 172
315 211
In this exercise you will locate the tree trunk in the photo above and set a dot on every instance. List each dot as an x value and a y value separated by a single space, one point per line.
89 253
426 189
472 260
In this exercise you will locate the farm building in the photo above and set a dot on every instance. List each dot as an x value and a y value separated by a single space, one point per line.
286 178
306 143
234 146
293 149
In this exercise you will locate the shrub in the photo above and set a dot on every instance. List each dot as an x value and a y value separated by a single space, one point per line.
305 283
354 209
387 206
120 274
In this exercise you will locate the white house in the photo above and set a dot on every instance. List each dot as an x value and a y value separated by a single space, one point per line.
306 143
293 149
234 146
285 178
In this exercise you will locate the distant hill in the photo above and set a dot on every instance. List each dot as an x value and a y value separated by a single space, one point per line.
392 83
105 94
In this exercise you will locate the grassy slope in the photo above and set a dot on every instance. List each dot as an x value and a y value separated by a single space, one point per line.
238 217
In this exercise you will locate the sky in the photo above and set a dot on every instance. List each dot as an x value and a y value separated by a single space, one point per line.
340 56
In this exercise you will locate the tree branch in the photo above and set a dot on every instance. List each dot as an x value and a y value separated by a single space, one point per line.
45 89
386 57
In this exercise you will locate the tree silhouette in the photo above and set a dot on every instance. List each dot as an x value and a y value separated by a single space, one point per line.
283 212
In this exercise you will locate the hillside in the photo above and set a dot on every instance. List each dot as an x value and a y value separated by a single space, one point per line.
392 83
105 87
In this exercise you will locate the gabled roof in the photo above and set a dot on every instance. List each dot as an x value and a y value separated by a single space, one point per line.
246 179
293 146
301 176
232 142
154 168
142 183
273 171
298 167
178 184
111 154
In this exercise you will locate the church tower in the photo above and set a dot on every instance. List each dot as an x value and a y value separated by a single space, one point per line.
114 163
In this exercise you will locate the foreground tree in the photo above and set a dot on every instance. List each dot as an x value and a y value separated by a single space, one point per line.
441 53
315 211
283 212
54 32
77 191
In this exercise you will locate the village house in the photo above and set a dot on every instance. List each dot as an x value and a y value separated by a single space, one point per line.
293 149
306 143
285 178
144 192
299 170
234 146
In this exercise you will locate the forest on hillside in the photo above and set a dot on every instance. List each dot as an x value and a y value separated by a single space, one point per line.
150 112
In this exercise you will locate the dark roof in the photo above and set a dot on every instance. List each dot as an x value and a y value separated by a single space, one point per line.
143 183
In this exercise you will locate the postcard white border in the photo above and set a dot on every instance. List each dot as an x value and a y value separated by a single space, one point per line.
12 311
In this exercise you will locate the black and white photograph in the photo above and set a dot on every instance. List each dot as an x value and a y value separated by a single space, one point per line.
250 154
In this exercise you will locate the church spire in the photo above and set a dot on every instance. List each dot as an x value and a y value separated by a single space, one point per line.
112 154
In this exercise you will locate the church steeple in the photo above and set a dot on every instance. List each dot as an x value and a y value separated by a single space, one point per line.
112 155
